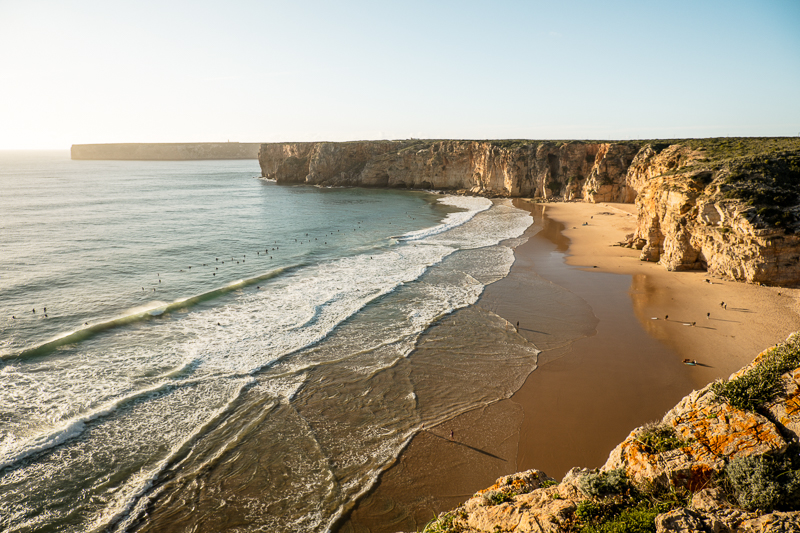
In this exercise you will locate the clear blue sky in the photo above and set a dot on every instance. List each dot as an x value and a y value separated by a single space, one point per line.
160 71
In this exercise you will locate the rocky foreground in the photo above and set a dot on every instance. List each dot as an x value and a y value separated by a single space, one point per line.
726 459
729 206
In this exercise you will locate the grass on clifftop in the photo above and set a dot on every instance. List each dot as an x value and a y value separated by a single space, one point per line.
762 383
618 506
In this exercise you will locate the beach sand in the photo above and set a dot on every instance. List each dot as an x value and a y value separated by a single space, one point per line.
610 361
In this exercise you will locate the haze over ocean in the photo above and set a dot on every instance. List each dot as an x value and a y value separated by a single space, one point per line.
191 320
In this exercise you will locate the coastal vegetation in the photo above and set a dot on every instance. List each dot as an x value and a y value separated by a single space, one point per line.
765 482
761 383
658 438
617 504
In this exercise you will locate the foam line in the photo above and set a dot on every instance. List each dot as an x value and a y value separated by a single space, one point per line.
473 206
148 479
141 314
73 427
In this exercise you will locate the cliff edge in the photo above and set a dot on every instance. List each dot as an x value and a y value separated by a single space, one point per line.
729 206
594 171
726 459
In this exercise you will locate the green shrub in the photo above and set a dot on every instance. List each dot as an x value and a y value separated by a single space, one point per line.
496 497
623 507
588 511
633 517
601 484
658 438
639 519
761 383
764 482
444 523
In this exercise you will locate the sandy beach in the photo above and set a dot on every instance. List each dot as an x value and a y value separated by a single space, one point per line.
613 333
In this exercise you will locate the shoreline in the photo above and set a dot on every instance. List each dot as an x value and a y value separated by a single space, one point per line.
606 365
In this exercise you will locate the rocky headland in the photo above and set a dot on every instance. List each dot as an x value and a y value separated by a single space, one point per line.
726 459
165 151
730 206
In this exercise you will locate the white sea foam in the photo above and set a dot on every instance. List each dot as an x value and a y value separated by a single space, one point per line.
142 481
17 450
472 205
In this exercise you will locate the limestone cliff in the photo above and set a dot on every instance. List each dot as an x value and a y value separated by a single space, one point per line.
165 151
570 170
737 218
710 465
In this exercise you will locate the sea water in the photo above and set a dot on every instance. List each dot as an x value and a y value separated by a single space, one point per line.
185 346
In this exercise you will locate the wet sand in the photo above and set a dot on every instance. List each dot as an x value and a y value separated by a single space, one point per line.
610 361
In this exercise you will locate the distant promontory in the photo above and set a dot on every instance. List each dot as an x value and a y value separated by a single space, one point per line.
166 151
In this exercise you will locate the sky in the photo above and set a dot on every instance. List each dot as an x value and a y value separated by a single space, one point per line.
109 71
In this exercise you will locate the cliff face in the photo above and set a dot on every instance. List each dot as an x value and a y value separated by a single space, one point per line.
592 171
707 466
165 151
726 219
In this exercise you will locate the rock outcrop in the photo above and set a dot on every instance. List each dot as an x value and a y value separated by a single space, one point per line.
570 170
726 219
165 151
688 484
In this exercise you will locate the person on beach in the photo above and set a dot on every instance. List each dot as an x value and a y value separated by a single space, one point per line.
451 434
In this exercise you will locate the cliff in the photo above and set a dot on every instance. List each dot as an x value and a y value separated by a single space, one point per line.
725 459
728 206
588 170
736 216
166 151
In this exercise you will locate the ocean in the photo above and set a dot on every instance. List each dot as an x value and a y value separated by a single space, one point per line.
187 347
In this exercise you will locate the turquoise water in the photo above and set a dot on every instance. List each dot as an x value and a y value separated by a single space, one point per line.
178 334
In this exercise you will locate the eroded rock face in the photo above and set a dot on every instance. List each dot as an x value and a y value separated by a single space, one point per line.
786 410
686 222
715 433
570 170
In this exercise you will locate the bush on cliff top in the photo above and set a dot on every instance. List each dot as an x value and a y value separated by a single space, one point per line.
602 484
762 383
658 438
593 518
444 523
617 506
765 482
